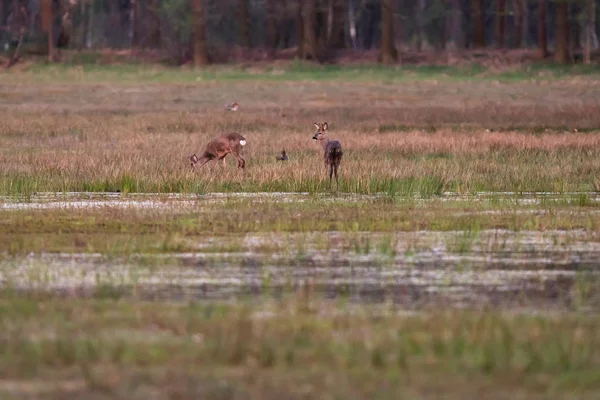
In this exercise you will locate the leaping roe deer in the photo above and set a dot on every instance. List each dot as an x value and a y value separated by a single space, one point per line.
332 148
219 148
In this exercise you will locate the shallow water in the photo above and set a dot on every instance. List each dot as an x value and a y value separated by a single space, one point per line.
414 270
549 270
54 200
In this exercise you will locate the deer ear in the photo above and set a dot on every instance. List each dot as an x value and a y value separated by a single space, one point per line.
317 125
325 126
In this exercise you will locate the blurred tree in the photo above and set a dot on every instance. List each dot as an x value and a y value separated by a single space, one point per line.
337 39
133 23
519 23
500 23
388 52
309 14
561 54
590 38
243 24
542 34
271 31
200 53
478 23
46 19
299 29
454 25
419 11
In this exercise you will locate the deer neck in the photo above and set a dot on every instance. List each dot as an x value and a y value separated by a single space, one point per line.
324 142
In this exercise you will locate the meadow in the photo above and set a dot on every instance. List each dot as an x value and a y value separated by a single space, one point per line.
456 258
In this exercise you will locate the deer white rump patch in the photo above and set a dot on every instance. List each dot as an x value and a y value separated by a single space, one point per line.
243 142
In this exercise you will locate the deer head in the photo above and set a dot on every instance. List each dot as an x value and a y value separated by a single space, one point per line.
321 131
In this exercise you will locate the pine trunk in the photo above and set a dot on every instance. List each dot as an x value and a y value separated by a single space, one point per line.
337 38
518 23
299 30
271 27
542 33
244 38
199 34
309 15
389 53
589 31
47 22
419 11
133 23
500 23
478 24
561 55
454 26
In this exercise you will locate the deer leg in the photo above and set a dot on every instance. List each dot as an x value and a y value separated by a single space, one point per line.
241 163
330 172
336 173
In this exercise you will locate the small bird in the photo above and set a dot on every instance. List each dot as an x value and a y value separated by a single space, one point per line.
233 106
283 156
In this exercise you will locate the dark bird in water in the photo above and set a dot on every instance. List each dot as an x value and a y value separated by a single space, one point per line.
283 156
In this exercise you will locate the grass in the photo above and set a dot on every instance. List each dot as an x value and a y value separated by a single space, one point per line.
409 135
95 67
114 349
416 137
126 231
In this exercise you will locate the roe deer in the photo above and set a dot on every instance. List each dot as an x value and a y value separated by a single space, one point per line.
332 148
283 156
219 148
233 106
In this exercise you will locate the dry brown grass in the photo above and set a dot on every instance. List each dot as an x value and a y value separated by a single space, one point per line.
464 136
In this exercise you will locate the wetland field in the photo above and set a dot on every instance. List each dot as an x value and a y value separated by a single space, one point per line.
457 258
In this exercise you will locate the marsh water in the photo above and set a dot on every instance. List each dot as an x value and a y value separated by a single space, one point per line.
540 270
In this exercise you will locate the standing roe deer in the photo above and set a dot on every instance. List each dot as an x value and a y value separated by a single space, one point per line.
219 148
332 148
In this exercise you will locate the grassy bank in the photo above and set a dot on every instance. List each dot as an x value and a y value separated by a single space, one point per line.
179 228
414 137
138 350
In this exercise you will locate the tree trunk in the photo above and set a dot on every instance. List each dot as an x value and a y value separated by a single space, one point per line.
271 26
199 34
47 23
575 34
112 25
519 21
478 24
561 55
590 39
419 11
454 26
90 24
542 33
244 38
441 28
500 23
352 24
133 23
389 54
337 38
299 29
309 15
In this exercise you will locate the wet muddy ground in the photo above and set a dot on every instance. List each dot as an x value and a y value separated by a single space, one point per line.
541 270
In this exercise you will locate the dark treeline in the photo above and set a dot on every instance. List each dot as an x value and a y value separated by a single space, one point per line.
202 31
